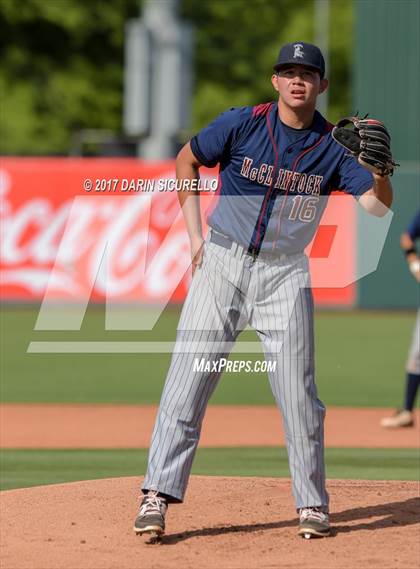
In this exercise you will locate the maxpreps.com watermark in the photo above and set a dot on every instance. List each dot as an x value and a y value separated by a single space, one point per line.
128 185
236 366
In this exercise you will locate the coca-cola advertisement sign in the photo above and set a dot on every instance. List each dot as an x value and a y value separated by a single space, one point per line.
96 229
57 236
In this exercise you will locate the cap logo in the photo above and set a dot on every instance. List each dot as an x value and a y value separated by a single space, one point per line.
298 51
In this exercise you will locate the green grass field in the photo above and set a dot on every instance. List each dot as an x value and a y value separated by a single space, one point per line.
359 360
24 468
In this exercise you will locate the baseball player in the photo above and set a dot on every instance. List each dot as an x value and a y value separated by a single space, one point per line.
278 163
405 417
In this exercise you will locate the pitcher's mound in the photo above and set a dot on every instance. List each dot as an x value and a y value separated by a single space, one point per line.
229 523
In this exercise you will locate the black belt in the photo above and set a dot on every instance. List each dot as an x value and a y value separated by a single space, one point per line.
227 242
221 240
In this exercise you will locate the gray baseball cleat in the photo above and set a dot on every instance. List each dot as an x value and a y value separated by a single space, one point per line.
151 516
402 418
313 522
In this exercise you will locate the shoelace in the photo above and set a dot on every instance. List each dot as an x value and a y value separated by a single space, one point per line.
315 513
152 503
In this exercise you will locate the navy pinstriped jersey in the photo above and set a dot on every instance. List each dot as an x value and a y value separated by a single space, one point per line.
273 188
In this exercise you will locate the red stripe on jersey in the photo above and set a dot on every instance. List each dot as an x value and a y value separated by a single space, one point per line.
302 154
261 109
329 126
268 194
295 163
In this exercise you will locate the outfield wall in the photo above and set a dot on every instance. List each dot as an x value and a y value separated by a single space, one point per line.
387 86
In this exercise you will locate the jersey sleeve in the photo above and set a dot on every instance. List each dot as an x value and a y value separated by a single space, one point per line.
352 178
413 228
215 141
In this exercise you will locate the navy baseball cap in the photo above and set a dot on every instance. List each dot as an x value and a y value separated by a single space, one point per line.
301 53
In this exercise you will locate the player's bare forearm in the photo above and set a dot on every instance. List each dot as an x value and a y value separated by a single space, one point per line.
187 169
382 189
378 199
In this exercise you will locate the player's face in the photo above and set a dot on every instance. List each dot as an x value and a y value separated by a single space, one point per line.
298 86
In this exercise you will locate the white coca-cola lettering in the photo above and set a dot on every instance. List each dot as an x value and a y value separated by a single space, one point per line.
125 242
165 205
45 243
168 266
36 280
15 227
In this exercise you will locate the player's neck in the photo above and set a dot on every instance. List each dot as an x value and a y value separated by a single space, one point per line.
296 118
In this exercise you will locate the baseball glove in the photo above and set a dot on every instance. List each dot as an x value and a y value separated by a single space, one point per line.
369 141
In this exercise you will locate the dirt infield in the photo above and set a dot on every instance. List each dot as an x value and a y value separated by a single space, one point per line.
228 523
130 426
225 523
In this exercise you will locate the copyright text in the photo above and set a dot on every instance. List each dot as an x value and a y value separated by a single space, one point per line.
126 185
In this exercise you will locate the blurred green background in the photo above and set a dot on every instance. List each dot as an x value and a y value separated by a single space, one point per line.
61 62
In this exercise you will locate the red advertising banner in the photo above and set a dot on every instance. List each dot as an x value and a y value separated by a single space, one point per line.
82 228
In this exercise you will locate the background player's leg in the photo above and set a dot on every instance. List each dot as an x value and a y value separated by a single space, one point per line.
284 322
211 319
405 416
413 368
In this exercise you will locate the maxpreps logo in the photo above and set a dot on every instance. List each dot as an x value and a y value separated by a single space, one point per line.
286 179
234 366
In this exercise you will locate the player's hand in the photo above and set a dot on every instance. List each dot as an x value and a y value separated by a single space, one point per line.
197 248
414 267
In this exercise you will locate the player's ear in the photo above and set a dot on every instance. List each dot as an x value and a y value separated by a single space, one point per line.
323 85
274 81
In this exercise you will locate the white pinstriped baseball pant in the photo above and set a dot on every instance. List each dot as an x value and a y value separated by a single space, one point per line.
229 290
413 361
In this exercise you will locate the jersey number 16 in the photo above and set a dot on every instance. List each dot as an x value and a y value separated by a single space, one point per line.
303 208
